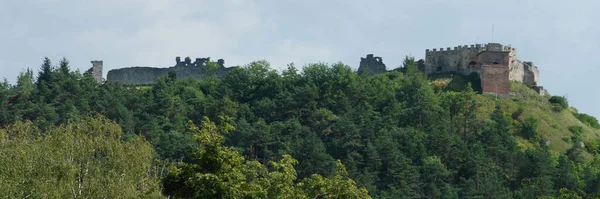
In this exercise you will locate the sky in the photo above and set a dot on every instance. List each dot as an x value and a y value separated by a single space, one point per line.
560 37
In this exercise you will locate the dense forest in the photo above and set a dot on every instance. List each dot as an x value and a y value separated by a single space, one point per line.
321 131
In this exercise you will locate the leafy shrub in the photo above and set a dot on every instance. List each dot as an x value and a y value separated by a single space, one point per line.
559 103
589 120
592 146
577 132
475 81
521 145
575 154
517 114
555 126
529 129
438 85
566 138
557 108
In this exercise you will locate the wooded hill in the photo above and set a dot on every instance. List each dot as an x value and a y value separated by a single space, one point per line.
321 131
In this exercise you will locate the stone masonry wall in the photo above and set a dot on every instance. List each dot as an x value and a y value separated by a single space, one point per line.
495 79
531 74
96 71
475 58
464 59
136 75
517 71
148 75
456 60
493 57
525 72
371 65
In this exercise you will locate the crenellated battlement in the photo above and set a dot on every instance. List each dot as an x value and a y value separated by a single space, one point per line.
199 62
484 59
473 47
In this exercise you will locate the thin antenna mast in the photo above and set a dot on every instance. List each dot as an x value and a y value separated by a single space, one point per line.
492 33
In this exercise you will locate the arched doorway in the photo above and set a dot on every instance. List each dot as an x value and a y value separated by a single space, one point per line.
472 64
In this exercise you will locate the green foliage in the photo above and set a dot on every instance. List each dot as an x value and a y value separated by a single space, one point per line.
394 135
565 193
577 132
517 114
529 129
559 103
566 138
459 82
220 172
435 177
86 159
555 126
588 120
593 146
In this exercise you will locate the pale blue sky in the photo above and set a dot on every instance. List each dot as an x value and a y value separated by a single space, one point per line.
561 37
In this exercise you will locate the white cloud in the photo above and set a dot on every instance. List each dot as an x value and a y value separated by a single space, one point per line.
195 28
298 52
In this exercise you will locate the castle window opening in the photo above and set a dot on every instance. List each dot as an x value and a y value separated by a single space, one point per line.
495 62
439 68
472 64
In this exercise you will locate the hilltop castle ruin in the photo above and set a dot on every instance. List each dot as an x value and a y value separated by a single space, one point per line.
143 75
96 71
494 63
371 65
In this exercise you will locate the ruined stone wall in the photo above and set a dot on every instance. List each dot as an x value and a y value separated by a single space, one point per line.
371 65
461 59
493 57
517 71
457 60
96 70
524 72
531 74
136 75
148 75
495 79
513 56
466 59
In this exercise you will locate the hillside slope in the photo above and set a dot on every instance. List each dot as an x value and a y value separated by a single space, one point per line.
399 134
553 125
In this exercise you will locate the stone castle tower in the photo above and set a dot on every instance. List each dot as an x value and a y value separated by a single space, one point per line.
371 65
495 63
96 70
